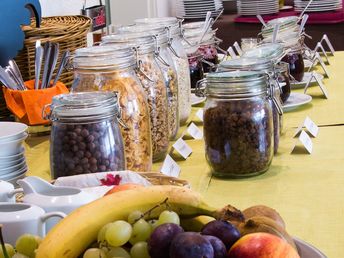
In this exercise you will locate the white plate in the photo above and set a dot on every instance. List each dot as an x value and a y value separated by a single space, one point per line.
197 100
308 251
11 130
299 85
295 100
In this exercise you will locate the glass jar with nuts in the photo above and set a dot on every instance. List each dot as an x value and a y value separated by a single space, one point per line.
153 84
105 68
85 136
238 126
163 56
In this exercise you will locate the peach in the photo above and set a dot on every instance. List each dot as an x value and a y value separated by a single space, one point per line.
123 187
262 245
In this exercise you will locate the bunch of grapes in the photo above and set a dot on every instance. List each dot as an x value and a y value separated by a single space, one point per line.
25 247
162 238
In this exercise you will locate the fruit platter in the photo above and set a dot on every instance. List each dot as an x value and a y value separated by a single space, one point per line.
161 222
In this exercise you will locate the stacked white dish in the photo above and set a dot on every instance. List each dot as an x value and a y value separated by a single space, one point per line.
255 7
318 5
12 159
197 9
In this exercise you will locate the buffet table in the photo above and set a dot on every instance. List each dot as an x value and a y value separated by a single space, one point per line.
305 189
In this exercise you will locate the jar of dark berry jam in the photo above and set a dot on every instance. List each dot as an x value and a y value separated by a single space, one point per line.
238 125
283 74
294 58
196 68
85 135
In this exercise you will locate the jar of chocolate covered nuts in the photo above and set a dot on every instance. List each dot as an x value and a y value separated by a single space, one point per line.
238 125
85 135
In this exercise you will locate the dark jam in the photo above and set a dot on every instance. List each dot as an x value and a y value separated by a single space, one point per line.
209 53
196 69
296 65
284 82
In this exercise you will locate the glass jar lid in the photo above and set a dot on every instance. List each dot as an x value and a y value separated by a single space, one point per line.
271 51
283 21
104 57
144 44
236 83
252 64
158 20
147 29
85 106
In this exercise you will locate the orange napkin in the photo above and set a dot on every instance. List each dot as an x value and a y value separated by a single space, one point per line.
27 105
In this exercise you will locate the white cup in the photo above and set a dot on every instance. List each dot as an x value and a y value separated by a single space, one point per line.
7 192
22 218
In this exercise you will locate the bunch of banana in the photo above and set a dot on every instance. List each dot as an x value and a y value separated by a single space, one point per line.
78 230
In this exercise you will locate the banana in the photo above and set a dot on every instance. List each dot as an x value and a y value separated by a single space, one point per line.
72 235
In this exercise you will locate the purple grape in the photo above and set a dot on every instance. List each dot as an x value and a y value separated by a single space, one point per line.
161 238
218 246
191 245
223 230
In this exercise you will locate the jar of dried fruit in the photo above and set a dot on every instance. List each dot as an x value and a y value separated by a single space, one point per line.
113 69
180 59
85 135
268 67
153 84
164 57
238 126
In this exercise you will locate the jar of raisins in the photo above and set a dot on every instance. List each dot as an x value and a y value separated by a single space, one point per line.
85 134
105 68
238 125
268 67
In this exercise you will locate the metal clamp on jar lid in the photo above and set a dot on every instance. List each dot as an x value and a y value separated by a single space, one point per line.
239 84
104 57
84 106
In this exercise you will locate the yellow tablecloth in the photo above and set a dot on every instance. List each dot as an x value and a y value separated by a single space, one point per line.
306 189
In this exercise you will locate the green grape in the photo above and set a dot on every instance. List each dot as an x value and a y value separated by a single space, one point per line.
101 233
94 253
135 216
141 231
168 217
139 250
9 249
118 233
27 244
153 223
116 252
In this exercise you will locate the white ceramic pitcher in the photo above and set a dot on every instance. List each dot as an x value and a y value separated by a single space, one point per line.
53 198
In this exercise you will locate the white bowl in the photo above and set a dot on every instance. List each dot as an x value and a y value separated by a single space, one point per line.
7 164
11 130
12 147
13 157
9 170
13 138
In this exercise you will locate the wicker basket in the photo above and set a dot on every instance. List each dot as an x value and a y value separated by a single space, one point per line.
161 179
69 31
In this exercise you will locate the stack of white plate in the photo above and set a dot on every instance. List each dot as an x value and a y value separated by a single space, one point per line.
255 7
318 5
12 159
197 9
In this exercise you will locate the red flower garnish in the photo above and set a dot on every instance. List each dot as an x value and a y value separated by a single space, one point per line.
111 180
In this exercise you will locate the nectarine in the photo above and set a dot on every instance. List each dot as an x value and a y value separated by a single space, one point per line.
262 245
119 188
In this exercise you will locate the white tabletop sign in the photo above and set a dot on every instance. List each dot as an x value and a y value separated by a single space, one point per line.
237 48
199 114
319 82
170 167
327 74
320 46
195 132
311 127
232 53
306 142
182 148
328 42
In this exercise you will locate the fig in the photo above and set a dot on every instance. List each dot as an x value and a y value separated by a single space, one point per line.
263 211
267 225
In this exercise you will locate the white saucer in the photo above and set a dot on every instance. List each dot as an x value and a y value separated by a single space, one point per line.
295 100
306 250
196 100
298 85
